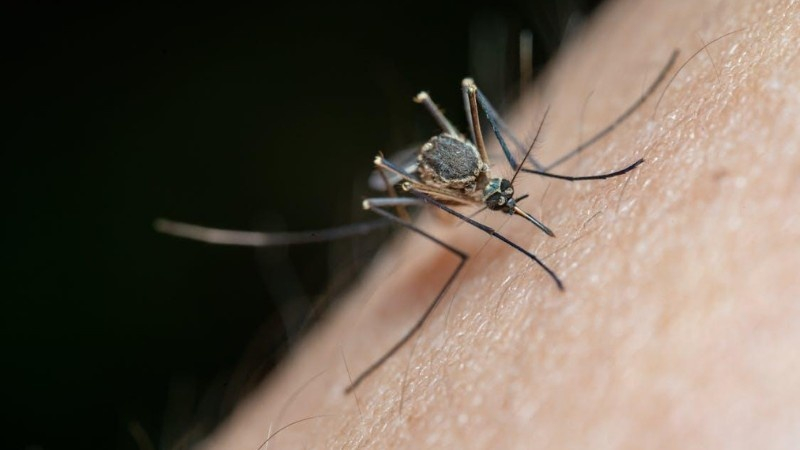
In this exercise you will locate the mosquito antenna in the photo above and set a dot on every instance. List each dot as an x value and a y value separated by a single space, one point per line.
530 149
631 109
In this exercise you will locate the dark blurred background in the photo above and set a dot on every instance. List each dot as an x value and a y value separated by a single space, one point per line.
245 117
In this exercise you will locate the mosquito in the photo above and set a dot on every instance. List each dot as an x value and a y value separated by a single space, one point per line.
450 171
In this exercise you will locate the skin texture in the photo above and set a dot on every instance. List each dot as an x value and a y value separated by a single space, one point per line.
679 324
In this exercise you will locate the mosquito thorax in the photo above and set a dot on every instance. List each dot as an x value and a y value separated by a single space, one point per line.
451 162
498 195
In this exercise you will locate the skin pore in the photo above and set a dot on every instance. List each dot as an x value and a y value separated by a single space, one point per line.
679 324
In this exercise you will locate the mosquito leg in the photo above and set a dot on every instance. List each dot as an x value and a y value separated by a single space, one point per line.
440 118
375 205
417 185
602 176
402 212
476 123
261 239
628 112
386 202
499 126
465 84
382 163
491 232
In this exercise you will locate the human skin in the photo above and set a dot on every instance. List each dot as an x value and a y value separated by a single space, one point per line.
678 326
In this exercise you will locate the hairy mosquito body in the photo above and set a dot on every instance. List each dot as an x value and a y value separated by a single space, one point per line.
450 170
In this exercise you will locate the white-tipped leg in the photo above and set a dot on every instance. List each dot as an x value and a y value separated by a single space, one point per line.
437 114
389 202
472 92
465 84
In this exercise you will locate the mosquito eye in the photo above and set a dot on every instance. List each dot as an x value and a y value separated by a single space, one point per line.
496 201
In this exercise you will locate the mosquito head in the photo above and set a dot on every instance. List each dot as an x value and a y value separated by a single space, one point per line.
498 195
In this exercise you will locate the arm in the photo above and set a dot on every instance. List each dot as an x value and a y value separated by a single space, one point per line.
679 323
